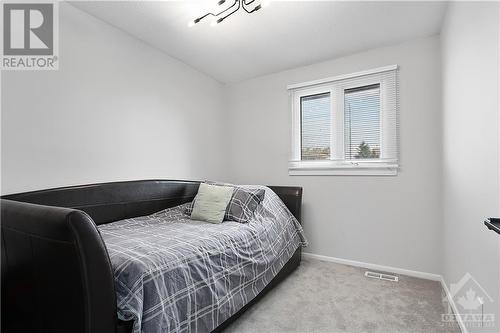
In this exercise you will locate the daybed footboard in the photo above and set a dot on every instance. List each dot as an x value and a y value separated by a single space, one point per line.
56 273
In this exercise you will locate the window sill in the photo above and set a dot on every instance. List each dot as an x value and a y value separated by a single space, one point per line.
331 168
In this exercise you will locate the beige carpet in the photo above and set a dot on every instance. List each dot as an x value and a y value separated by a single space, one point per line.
327 297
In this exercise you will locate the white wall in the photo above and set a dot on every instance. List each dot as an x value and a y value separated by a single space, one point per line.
393 221
471 146
116 109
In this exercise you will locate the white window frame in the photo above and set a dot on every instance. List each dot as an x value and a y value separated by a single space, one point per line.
337 164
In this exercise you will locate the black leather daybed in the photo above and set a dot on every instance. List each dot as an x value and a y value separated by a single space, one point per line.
56 272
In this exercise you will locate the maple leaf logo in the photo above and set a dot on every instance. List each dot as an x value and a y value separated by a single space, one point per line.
469 301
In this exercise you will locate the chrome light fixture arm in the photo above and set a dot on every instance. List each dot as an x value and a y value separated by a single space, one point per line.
236 2
222 15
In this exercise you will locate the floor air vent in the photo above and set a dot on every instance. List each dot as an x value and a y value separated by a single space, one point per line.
381 276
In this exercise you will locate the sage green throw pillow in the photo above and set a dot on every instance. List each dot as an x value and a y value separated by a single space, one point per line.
211 203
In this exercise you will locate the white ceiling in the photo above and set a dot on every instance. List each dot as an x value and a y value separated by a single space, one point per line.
284 35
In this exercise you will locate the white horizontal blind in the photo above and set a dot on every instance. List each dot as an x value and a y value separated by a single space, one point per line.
389 117
315 127
370 107
362 122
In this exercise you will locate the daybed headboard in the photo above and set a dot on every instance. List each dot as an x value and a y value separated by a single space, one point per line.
106 202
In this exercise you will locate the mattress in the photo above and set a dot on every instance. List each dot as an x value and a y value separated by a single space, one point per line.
174 274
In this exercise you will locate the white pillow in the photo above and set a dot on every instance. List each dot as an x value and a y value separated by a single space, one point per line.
211 203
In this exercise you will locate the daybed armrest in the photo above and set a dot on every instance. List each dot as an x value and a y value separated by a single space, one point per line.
291 197
58 275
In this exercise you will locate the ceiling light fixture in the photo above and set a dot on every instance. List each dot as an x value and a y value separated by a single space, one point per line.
224 14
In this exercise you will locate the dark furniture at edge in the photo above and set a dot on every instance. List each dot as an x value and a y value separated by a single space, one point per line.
56 272
493 224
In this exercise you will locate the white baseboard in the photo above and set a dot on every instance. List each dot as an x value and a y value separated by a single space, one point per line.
453 305
395 270
388 269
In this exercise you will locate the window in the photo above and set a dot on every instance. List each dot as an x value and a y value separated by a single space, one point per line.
346 125
315 127
362 122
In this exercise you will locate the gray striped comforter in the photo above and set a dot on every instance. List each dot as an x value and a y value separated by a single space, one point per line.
173 274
